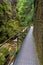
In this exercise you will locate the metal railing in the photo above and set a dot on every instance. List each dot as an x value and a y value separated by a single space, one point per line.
15 36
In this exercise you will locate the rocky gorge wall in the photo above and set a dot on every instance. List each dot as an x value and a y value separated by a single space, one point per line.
38 28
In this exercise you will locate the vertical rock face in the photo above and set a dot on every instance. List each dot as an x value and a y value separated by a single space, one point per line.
38 28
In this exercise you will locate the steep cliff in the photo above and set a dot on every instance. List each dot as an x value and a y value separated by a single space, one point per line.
38 28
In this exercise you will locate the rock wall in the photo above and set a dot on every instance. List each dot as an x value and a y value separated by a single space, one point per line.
38 28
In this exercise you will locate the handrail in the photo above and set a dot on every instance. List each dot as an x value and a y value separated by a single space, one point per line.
8 40
15 36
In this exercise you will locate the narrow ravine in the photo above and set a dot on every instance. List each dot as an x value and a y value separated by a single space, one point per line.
28 54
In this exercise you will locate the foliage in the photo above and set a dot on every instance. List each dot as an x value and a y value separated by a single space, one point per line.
8 26
3 52
2 59
25 12
12 20
4 17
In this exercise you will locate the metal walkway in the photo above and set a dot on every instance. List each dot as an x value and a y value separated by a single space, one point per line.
28 54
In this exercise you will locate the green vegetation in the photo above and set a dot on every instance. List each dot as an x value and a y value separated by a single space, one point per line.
13 19
8 26
3 53
2 59
5 9
25 12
